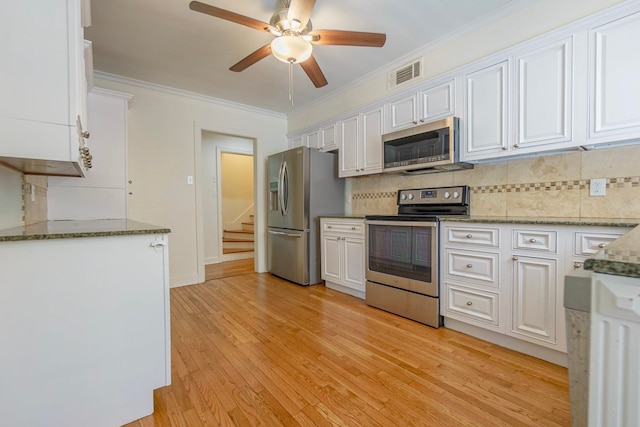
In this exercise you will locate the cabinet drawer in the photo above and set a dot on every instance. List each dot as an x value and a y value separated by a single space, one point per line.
590 243
481 266
472 303
473 236
344 227
538 240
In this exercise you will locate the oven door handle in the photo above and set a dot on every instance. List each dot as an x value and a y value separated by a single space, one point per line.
403 223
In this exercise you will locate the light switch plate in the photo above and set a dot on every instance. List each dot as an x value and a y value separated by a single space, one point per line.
598 187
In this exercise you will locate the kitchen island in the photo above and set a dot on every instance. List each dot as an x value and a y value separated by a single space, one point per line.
84 322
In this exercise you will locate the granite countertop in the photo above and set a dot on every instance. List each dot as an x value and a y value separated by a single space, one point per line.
343 216
600 222
75 229
621 257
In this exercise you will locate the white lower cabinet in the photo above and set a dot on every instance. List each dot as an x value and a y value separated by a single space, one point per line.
509 278
85 329
342 254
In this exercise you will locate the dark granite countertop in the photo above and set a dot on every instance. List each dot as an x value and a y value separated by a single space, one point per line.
621 257
76 229
600 222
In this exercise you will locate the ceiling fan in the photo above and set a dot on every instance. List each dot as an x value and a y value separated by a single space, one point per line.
294 36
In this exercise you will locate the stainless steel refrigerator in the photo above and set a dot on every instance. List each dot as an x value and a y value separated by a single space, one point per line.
303 185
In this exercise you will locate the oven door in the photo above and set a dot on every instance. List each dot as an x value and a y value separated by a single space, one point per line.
403 254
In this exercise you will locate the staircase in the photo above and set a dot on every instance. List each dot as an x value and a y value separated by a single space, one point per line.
238 244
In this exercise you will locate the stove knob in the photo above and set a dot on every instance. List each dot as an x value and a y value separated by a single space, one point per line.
456 194
403 197
446 195
410 196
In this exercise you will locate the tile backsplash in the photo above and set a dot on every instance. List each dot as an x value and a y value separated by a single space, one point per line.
549 186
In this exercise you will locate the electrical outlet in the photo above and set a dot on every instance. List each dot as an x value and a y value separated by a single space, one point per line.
598 187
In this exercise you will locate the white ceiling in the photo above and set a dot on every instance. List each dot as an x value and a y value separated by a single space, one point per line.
165 43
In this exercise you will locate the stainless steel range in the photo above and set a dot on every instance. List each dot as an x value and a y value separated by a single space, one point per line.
402 252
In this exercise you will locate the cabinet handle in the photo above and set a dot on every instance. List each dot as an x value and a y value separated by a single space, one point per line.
469 265
602 245
516 145
328 226
469 236
577 265
85 134
515 258
130 193
469 303
532 240
353 228
504 148
415 122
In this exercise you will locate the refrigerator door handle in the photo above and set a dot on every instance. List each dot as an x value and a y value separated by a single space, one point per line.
285 188
280 202
280 233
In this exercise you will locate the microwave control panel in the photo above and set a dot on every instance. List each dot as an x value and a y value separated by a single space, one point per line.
428 196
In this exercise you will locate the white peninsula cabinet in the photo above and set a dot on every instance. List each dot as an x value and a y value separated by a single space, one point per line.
342 254
43 87
84 323
508 278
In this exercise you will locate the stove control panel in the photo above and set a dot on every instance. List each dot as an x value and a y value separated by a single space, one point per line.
432 196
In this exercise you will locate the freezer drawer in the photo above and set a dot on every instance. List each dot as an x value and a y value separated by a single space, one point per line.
288 255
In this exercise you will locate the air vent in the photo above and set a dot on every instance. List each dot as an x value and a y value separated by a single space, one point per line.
405 74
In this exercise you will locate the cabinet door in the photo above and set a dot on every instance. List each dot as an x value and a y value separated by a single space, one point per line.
297 141
329 140
331 254
402 113
487 111
614 83
313 139
354 263
437 102
372 122
349 140
534 313
544 84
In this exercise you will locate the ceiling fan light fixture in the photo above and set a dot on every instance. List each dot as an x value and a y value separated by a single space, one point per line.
291 49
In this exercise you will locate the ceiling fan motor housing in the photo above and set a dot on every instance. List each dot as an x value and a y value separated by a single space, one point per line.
279 20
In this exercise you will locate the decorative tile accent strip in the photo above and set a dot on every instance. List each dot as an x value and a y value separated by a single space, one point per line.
582 184
384 195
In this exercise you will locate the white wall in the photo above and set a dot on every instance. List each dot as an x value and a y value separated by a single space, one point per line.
10 198
211 143
527 19
165 135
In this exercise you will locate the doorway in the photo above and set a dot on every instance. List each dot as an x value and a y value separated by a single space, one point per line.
227 197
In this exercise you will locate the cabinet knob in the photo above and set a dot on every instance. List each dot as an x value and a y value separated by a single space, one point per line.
130 193
415 122
602 245
469 303
328 226
577 265
130 181
532 240
469 236
515 258
504 148
516 145
85 134
469 266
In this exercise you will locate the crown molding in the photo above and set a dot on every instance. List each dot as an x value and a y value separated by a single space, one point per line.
179 92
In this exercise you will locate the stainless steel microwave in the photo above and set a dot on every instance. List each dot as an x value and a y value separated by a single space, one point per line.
431 147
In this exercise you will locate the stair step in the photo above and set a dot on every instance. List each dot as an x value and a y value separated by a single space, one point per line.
235 251
237 244
238 234
247 226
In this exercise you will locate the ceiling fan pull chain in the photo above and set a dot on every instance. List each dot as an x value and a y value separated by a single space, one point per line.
291 82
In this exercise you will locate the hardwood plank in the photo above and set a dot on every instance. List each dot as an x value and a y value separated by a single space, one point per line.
252 349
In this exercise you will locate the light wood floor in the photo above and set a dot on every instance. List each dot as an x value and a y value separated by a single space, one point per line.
228 269
256 350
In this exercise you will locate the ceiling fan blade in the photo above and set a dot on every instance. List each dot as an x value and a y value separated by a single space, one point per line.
348 38
300 10
229 16
311 67
252 58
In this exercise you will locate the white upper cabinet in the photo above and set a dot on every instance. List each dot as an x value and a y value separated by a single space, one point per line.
431 103
614 85
43 87
486 124
544 93
328 138
360 142
324 138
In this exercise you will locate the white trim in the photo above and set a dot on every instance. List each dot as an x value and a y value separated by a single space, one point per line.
176 282
179 92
